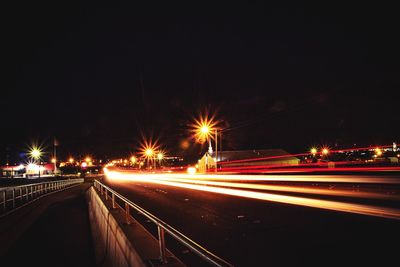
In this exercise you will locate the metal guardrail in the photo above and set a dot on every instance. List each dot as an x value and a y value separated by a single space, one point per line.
162 227
13 197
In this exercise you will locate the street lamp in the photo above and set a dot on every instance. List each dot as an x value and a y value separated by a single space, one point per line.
160 157
148 150
313 151
36 154
203 129
133 160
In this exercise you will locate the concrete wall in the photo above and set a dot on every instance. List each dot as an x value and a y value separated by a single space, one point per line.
111 245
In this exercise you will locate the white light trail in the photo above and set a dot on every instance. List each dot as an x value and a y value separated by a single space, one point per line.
181 181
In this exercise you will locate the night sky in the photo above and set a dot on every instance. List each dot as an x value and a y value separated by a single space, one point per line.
98 76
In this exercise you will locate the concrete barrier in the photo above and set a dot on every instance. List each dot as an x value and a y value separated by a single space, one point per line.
112 247
119 244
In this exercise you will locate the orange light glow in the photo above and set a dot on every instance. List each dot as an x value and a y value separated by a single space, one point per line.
148 148
325 151
203 127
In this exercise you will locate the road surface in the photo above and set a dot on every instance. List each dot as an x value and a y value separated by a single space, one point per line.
250 231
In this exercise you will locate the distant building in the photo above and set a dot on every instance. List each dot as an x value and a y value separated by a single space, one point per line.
45 169
28 170
12 171
242 158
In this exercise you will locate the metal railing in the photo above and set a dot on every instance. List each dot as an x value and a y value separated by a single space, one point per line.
13 197
162 227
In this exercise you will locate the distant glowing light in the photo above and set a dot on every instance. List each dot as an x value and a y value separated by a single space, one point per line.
88 159
149 152
35 152
53 160
378 151
84 164
71 160
133 159
203 127
148 149
32 167
325 151
313 151
160 155
191 170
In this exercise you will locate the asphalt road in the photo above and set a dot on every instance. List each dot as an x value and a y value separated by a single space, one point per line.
251 232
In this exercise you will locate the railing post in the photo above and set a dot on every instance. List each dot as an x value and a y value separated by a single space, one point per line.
105 192
13 197
20 193
113 200
32 191
27 192
161 243
127 220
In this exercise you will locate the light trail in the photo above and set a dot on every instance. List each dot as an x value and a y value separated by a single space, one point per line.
269 178
288 189
310 170
294 200
278 166
301 154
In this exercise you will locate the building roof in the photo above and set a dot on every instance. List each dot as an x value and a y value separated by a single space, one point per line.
268 154
11 167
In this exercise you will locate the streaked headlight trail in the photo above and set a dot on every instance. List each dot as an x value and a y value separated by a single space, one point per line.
241 189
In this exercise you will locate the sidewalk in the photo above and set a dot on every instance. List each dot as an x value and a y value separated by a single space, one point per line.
52 231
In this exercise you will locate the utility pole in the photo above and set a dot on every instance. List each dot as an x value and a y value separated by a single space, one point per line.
55 155
216 150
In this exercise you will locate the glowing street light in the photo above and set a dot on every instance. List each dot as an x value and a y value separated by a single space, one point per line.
203 130
313 151
35 153
378 152
203 127
148 150
325 151
88 159
133 159
71 160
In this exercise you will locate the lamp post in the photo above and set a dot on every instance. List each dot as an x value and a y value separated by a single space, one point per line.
160 157
36 153
149 153
216 150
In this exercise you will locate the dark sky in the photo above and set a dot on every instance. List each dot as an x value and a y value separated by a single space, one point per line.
98 75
